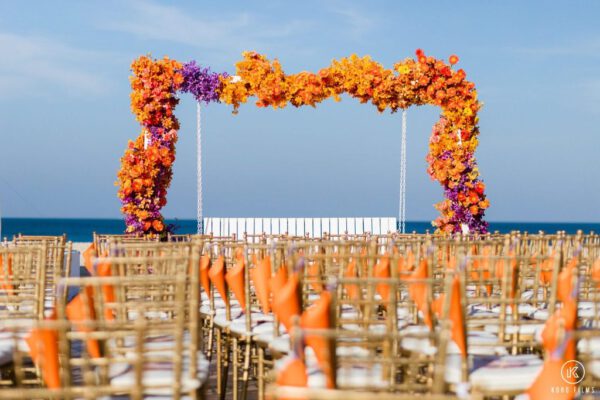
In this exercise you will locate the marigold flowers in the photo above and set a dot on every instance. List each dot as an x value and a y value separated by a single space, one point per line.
146 172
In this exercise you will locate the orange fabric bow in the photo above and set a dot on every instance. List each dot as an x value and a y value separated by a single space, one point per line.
293 374
236 280
286 302
204 268
351 288
6 274
558 324
279 280
418 291
43 348
565 281
382 271
261 277
216 275
512 274
549 377
80 311
317 317
456 315
596 272
88 255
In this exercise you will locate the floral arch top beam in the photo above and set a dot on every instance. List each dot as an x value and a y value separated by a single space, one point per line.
147 164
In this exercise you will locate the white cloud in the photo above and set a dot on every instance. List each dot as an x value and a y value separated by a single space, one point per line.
357 21
31 64
214 33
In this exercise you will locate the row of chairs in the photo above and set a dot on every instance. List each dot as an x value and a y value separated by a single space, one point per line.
309 318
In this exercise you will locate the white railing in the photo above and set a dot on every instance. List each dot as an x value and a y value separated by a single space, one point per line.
312 227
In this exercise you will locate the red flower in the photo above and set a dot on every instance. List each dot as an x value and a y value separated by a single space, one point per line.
453 59
480 187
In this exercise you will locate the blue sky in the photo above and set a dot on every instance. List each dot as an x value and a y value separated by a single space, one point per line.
65 118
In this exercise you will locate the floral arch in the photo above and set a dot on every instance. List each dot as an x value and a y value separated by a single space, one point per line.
146 169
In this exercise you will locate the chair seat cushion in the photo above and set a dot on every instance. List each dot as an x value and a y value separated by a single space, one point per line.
158 376
516 372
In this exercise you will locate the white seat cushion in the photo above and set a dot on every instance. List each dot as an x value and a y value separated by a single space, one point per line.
522 329
516 374
479 343
160 375
589 345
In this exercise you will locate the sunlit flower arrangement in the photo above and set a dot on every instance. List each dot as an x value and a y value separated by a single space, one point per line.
146 166
425 80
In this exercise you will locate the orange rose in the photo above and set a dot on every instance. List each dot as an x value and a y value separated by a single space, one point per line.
158 225
453 59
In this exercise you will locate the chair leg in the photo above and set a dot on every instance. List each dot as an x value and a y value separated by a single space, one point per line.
246 373
219 364
235 366
210 342
261 372
226 361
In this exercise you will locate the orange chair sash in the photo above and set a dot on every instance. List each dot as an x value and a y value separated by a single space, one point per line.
236 280
286 302
216 275
261 277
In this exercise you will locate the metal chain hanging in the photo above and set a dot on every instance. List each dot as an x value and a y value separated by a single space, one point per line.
402 205
199 213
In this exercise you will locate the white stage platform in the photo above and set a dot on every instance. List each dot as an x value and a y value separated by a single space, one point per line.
313 227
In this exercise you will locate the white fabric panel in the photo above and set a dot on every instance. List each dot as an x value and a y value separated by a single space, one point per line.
215 226
232 226
300 226
258 225
391 224
333 225
314 227
359 225
317 228
308 226
385 225
275 222
325 225
343 225
291 226
368 225
250 226
350 225
377 226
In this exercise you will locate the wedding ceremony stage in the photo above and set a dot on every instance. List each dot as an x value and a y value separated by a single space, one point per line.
146 170
301 308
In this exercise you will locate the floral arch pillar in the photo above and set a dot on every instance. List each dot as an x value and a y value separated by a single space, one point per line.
147 170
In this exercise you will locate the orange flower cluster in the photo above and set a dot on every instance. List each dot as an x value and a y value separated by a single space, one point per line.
146 169
146 172
411 82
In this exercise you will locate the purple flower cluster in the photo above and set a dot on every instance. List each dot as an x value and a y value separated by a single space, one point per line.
200 82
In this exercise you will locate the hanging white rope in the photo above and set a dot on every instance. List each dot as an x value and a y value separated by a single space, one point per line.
199 213
402 205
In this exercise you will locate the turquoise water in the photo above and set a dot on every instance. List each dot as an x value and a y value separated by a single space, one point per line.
80 230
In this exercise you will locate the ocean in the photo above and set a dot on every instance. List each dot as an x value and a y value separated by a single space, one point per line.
81 230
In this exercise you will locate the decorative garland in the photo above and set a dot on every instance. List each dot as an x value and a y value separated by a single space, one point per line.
146 173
